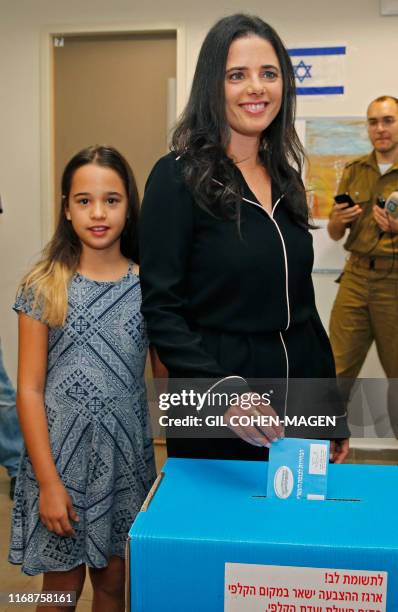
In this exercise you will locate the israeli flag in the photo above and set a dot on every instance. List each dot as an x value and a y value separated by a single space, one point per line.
319 70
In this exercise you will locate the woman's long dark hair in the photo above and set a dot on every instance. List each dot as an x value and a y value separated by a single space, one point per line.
47 283
202 134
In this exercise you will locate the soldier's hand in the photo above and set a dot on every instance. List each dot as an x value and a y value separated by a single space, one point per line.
344 214
385 221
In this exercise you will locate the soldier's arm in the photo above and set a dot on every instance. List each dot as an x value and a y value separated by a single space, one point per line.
336 227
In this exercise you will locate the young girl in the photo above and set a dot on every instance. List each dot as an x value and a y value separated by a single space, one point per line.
81 401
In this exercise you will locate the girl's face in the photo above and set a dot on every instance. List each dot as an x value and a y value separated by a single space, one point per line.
97 206
253 86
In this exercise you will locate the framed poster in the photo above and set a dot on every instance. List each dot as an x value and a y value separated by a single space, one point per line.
330 142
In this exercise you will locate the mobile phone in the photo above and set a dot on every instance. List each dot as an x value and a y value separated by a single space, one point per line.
344 198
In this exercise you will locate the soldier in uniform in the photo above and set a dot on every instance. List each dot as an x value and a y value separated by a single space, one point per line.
366 306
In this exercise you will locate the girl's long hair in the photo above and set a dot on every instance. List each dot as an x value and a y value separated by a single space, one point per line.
202 133
47 283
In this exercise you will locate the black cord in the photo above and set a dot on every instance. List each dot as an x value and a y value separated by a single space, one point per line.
393 251
381 234
381 204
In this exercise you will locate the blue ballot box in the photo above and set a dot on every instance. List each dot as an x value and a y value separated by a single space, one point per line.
209 540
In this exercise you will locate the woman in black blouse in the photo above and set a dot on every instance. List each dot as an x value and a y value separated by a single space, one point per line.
226 255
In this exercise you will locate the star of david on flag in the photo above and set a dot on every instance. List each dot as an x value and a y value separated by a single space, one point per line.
319 70
302 71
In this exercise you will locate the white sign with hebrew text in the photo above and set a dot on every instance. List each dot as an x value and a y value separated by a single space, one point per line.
275 588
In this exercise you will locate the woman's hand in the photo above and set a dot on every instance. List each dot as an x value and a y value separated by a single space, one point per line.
56 509
262 428
339 450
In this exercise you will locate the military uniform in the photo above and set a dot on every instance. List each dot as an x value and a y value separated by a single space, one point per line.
366 306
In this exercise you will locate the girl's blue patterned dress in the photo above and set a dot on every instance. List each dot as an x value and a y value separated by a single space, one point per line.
98 421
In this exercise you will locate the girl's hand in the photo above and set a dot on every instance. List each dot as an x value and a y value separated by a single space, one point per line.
254 433
56 509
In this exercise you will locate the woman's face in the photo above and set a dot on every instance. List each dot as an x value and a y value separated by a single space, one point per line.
253 85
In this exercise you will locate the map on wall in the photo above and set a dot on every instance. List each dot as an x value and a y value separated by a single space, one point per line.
330 143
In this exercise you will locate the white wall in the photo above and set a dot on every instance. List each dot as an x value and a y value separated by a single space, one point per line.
372 43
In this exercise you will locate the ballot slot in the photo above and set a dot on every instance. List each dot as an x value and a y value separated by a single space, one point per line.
327 499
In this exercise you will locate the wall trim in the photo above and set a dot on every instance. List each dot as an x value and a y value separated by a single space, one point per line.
47 153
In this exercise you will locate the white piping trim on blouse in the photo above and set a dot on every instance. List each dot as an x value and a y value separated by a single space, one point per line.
287 373
271 216
223 380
